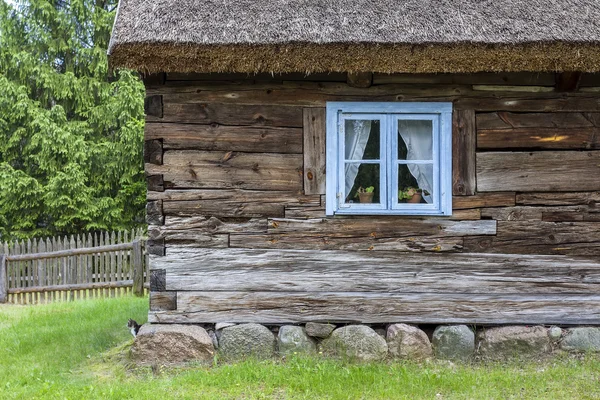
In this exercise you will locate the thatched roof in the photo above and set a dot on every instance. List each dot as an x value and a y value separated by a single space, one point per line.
357 35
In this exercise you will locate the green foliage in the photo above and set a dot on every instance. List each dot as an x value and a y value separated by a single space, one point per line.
70 133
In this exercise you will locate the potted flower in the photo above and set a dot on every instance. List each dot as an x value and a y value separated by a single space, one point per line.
411 195
365 195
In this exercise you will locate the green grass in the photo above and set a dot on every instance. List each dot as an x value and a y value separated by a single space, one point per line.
78 351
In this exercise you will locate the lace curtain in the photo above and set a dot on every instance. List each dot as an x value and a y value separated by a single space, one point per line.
419 143
357 136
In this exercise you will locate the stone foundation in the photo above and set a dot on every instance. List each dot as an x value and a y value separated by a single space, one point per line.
170 344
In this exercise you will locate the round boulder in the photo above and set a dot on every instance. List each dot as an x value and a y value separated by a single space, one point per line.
581 339
514 342
455 342
356 343
316 329
172 344
246 340
408 342
293 339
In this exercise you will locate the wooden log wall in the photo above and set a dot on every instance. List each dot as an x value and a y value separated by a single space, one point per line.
236 165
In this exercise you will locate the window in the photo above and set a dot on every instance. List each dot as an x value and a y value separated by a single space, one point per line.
389 158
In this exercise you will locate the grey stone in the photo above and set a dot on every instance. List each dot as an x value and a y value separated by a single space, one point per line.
246 340
293 339
581 339
513 342
408 342
172 344
356 343
223 325
454 342
316 329
555 333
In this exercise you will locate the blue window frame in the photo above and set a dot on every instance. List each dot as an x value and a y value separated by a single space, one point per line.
400 153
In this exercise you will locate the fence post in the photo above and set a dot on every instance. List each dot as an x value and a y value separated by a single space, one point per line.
138 268
3 281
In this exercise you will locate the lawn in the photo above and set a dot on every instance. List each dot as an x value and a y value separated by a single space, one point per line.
78 351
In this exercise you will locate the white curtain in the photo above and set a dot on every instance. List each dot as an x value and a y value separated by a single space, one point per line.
417 136
357 135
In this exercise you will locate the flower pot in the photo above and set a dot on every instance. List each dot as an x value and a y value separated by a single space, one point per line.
416 198
365 197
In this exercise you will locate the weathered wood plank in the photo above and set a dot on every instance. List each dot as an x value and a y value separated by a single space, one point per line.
464 146
305 212
538 171
278 308
314 150
366 243
264 139
591 199
153 106
531 237
542 138
155 183
231 203
523 103
163 301
483 78
229 170
506 199
376 226
360 79
153 151
154 213
212 225
384 272
524 213
3 279
230 114
138 268
260 77
508 120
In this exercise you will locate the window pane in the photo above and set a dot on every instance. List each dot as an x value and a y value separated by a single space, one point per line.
415 183
362 183
415 140
362 139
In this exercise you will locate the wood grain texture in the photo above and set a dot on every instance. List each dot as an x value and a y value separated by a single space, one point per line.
365 243
154 213
538 171
539 138
591 199
230 114
509 120
153 106
155 183
506 199
163 301
314 150
265 139
280 308
229 170
153 151
483 78
464 146
158 280
522 213
376 226
378 272
231 202
211 224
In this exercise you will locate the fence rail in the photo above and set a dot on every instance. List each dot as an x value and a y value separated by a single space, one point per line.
55 269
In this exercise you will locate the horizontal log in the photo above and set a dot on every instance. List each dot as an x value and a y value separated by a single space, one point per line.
212 225
538 171
391 226
67 253
591 199
377 272
492 245
229 114
260 77
263 139
521 213
319 212
279 308
163 301
484 78
536 102
229 170
508 120
365 243
542 138
72 286
506 199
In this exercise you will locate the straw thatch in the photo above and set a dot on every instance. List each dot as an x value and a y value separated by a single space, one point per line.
357 35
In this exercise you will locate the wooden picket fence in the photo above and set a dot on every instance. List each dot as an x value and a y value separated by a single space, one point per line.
76 267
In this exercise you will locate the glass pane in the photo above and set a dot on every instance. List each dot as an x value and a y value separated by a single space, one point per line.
362 183
362 139
415 183
415 140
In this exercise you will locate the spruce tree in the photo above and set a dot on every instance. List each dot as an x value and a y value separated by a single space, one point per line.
71 131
